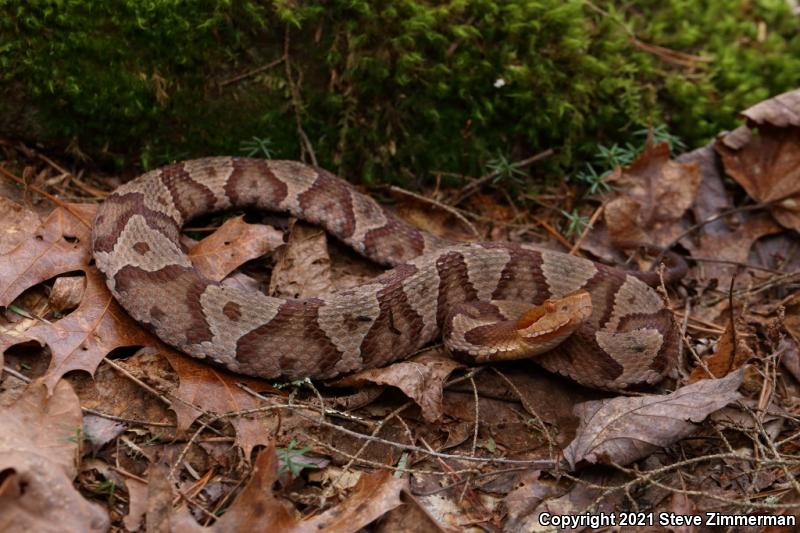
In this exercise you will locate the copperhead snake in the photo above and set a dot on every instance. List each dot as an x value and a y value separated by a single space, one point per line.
598 325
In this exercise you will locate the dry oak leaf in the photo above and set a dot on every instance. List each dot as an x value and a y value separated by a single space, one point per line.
216 391
656 191
17 223
303 268
421 378
39 438
83 338
782 110
725 359
60 245
767 166
257 509
231 245
624 429
731 243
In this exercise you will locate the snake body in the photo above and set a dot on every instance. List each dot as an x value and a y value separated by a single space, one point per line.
627 337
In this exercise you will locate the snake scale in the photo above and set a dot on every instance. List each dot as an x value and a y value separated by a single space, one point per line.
608 328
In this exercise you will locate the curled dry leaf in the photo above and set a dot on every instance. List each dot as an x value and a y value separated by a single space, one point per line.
421 379
782 110
725 358
256 506
624 429
39 438
656 193
67 293
231 245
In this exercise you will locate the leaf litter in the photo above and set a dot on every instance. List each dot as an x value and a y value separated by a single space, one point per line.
173 443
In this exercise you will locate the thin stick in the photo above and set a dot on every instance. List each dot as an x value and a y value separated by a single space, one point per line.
253 72
470 189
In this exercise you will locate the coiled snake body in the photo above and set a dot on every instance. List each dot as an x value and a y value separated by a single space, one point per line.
492 300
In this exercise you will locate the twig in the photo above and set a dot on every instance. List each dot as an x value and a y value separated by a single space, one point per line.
253 72
587 229
47 195
305 143
452 210
470 189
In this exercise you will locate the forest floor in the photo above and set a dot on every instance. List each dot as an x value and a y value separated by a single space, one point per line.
103 426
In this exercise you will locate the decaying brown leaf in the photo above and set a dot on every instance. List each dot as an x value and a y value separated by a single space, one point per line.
624 429
231 245
257 508
767 165
766 162
432 216
84 337
584 496
656 193
421 379
67 293
39 440
782 110
725 358
216 391
17 224
303 268
60 245
731 243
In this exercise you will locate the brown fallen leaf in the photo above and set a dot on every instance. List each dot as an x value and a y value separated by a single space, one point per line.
731 243
432 217
766 162
83 338
67 293
411 517
725 358
17 224
216 391
586 495
231 245
790 357
421 379
655 192
624 429
60 245
256 507
782 110
525 497
39 440
303 268
137 503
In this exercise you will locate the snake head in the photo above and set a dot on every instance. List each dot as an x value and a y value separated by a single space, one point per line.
545 326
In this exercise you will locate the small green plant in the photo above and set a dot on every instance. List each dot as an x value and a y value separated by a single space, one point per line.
504 170
607 158
256 146
77 436
291 459
662 134
615 155
107 488
576 223
594 182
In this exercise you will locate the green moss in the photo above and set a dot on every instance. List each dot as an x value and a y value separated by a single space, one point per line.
388 90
